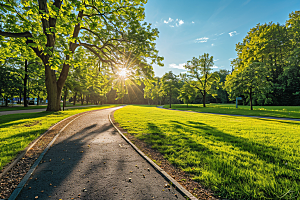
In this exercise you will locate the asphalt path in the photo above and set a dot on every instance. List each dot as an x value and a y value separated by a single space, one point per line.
90 160
35 110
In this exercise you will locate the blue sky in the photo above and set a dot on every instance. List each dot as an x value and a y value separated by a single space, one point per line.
189 28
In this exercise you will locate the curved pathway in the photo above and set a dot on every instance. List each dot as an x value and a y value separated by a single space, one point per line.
90 160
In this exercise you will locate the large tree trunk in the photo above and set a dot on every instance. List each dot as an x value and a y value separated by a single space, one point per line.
52 90
251 107
204 98
25 84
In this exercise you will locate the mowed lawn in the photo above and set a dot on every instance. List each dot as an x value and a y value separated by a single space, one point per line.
271 111
237 157
18 130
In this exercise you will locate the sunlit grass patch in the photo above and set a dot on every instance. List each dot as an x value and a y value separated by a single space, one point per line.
272 111
238 157
18 130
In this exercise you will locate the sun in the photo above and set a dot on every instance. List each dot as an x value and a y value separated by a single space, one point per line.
123 73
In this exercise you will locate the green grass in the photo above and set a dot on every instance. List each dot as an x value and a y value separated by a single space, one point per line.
237 157
18 130
271 111
19 107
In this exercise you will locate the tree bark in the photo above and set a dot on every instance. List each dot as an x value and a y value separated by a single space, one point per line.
25 84
6 102
65 98
251 107
87 99
38 99
170 97
54 94
74 103
204 97
82 99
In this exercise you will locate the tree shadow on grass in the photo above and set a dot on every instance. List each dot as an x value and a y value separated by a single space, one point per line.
267 153
11 120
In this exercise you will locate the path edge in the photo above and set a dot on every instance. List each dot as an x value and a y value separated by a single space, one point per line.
28 147
20 186
179 187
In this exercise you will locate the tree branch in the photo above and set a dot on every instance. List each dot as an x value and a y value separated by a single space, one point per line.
9 34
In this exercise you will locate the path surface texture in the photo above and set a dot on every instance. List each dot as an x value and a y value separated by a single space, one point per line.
90 160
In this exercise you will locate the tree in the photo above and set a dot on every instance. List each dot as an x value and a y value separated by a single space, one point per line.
251 81
187 93
199 70
169 85
222 95
55 29
152 90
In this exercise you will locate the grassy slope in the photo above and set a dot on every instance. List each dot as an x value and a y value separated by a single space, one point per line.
272 111
238 157
18 130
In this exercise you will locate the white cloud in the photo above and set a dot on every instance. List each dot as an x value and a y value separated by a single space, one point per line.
201 40
179 66
173 23
233 33
214 67
212 45
169 20
193 22
230 59
216 60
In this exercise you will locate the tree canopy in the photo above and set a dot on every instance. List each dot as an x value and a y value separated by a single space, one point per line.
53 30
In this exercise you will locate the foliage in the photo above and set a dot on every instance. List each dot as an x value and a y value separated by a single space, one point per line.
199 70
251 81
187 92
276 47
152 90
169 85
225 153
54 30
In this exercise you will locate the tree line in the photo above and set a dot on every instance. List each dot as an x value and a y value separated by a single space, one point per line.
53 32
77 51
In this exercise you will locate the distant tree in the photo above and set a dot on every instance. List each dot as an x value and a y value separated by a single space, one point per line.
187 93
199 70
152 90
222 95
251 81
169 85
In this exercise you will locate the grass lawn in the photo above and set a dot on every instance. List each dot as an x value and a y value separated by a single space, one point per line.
237 157
272 111
21 108
18 130
37 107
